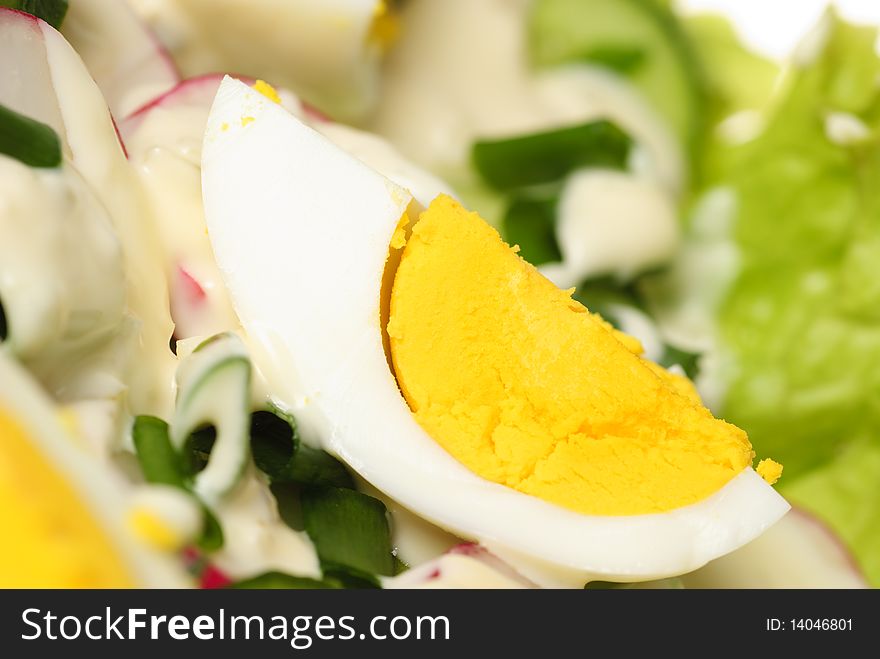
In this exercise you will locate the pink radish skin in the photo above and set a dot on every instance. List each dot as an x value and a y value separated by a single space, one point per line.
799 551
124 57
465 565
198 91
45 79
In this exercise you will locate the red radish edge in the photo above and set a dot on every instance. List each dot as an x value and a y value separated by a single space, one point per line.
184 85
816 521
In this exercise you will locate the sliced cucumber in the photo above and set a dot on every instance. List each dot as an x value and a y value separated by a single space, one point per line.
568 31
214 388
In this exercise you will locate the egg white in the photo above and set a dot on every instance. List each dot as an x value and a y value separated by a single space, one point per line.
301 232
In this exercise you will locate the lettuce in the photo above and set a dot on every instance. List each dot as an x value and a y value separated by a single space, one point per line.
801 322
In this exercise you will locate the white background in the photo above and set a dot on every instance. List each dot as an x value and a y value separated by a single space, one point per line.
773 27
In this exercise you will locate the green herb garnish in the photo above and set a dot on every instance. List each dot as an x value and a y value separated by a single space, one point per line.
51 11
4 328
161 464
548 157
531 224
348 529
31 142
280 453
279 581
620 59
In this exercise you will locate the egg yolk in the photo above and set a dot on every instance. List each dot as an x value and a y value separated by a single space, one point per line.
527 388
50 539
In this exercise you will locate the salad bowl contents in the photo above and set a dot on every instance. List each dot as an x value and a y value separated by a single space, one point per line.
480 293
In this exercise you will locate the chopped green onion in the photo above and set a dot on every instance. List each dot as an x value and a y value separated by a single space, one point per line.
212 533
602 294
689 361
548 157
342 576
531 224
348 529
214 388
280 453
33 143
620 59
4 329
159 462
279 581
51 11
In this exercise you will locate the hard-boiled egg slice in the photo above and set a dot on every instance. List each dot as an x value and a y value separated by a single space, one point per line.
301 231
65 523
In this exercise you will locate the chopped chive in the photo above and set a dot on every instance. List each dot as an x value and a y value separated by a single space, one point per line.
348 529
620 59
601 294
51 11
547 157
212 533
280 453
279 581
531 224
689 361
342 576
33 143
4 328
159 462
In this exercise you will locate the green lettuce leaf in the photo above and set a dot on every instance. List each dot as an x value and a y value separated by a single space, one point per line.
801 322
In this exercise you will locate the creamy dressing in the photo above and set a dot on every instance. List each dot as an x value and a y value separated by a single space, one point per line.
322 50
256 539
98 157
460 72
612 223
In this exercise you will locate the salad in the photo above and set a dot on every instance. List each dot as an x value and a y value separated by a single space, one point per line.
421 294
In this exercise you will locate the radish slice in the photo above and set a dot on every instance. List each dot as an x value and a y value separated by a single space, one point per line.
124 57
44 78
464 566
800 551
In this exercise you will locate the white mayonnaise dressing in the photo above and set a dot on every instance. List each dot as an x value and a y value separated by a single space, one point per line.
58 299
460 72
165 148
609 222
323 50
145 363
256 540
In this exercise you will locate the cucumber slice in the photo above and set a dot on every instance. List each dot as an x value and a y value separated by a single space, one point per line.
214 388
568 31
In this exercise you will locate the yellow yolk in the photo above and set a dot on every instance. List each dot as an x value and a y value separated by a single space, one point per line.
769 470
267 90
51 539
527 388
385 27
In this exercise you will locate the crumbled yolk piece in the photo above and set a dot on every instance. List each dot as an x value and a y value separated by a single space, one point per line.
769 470
247 120
267 90
385 26
51 539
527 388
150 528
